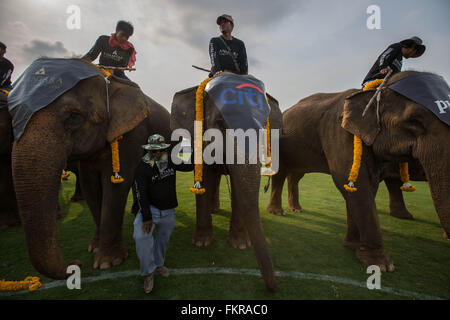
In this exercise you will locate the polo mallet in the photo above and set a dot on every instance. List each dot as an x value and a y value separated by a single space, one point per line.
206 70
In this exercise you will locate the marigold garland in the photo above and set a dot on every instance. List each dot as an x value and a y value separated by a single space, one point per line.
357 155
373 84
30 283
5 91
116 178
404 175
65 174
198 139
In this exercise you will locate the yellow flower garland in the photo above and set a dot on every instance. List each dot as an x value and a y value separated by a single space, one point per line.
404 175
198 139
30 283
5 91
65 174
357 154
116 178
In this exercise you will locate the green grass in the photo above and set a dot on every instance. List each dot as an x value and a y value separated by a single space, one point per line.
309 242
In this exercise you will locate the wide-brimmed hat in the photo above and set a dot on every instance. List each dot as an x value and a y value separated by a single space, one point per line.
225 17
156 142
420 48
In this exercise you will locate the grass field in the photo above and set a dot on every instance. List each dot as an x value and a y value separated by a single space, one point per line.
304 248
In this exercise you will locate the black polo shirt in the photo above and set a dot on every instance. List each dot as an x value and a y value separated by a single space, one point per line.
221 59
109 56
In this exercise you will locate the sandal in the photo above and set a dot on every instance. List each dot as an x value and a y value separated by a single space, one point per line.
148 283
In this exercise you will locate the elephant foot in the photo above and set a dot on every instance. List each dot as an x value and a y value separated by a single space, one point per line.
377 257
94 245
296 208
446 236
110 257
76 197
239 241
278 211
202 238
402 213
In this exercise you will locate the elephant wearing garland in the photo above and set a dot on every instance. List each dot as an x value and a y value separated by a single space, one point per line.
245 226
78 126
321 127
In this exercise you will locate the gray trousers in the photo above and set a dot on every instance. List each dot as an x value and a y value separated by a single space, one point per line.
151 250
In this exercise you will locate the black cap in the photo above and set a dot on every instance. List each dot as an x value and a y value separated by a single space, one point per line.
417 43
225 17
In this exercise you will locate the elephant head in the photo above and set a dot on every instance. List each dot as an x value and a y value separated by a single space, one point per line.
77 125
405 130
245 177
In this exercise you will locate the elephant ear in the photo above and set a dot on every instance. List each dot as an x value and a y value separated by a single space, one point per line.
128 106
365 127
182 114
276 116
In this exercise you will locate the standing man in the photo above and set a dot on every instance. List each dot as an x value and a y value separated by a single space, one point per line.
392 58
155 182
115 50
227 53
6 69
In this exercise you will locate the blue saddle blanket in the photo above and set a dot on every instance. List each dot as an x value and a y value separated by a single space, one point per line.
240 99
242 102
42 83
428 89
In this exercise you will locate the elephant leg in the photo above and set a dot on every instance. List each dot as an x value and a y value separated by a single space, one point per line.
293 180
203 234
397 205
275 207
92 189
9 213
362 218
238 236
78 195
215 204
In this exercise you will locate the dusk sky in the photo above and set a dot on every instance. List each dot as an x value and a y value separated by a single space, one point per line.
296 47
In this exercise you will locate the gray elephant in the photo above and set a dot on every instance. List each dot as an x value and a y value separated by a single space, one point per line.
322 129
80 125
245 225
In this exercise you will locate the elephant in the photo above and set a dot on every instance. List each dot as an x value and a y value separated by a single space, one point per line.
79 126
390 175
322 128
245 226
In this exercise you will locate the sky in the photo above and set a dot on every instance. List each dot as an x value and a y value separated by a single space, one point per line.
296 47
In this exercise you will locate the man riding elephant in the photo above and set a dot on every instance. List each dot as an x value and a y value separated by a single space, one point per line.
227 53
6 69
115 50
392 58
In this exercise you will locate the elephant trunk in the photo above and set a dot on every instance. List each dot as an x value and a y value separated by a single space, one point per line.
247 203
436 162
37 161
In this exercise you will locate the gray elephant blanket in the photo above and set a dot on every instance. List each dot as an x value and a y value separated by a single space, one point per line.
42 83
428 89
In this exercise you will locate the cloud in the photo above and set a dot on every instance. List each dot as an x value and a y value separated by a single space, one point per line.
39 48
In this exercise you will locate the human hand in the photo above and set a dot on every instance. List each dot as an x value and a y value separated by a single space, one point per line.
385 70
147 226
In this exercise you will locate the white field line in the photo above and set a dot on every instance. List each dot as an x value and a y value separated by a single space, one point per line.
227 271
